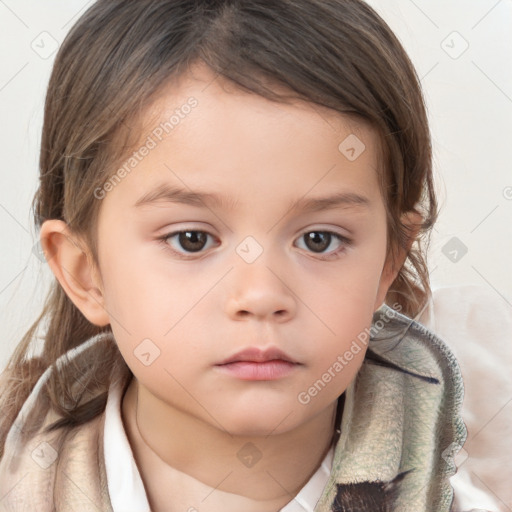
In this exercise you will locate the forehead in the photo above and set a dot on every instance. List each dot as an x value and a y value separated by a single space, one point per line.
206 129
227 102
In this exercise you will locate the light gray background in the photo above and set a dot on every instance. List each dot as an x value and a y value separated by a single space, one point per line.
469 96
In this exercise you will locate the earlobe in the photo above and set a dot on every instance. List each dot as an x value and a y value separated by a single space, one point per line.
387 277
74 269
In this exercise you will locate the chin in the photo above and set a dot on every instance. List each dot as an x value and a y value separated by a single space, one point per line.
261 423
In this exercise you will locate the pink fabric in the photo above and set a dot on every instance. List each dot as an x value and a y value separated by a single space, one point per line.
476 323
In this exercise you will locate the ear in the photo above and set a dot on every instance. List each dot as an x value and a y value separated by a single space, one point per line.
72 265
413 220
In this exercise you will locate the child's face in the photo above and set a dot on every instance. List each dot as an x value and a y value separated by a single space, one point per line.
255 280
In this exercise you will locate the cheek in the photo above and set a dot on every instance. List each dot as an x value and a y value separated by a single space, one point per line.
345 341
139 291
344 300
344 305
153 310
335 366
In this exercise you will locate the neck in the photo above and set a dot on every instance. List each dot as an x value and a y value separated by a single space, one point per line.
267 469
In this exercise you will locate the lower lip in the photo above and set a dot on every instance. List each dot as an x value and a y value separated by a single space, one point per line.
250 370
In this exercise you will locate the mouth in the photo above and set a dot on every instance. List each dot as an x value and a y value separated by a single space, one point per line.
256 364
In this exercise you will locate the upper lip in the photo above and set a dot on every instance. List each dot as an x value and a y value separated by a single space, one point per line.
256 355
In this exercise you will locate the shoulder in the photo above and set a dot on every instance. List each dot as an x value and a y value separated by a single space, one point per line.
40 466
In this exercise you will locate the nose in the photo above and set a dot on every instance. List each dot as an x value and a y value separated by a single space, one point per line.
259 292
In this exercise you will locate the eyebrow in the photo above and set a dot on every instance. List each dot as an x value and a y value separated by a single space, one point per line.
165 193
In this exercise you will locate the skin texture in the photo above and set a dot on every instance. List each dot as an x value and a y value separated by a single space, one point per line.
206 306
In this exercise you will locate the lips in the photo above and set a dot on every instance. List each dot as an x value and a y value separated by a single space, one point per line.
256 355
257 365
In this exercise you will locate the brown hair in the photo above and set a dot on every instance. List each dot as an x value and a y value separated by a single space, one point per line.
117 58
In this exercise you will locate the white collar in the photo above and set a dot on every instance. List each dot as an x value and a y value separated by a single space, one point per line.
125 485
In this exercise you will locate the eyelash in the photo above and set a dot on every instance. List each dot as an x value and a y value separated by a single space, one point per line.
345 242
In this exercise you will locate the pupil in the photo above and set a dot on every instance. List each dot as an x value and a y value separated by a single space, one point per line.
318 237
192 241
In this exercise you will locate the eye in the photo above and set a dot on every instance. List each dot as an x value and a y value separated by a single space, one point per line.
319 241
190 241
187 241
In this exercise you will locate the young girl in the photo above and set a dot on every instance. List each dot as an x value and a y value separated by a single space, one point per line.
233 197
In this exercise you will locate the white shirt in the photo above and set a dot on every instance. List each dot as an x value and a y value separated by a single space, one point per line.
125 485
